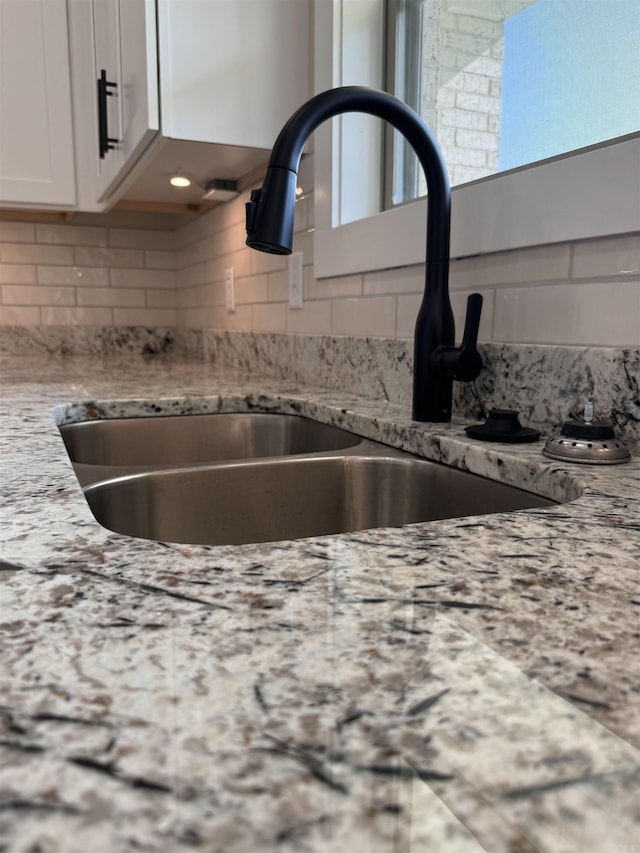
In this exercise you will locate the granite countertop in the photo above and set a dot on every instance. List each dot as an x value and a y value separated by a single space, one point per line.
462 685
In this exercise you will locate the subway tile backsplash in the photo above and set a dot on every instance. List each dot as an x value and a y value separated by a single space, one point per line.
59 274
585 314
584 293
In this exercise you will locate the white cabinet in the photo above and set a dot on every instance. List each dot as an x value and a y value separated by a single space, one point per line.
139 78
115 91
36 131
223 74
107 79
230 73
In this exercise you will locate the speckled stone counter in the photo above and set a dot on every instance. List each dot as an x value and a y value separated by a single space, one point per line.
462 685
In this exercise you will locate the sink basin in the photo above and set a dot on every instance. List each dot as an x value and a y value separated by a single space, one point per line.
103 449
271 500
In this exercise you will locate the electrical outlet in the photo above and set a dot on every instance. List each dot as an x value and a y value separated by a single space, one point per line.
230 289
295 280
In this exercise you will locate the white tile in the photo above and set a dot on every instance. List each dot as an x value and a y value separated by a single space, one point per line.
162 298
313 319
545 263
367 317
194 297
36 295
601 258
52 316
23 253
160 260
17 232
143 278
252 289
213 270
269 318
203 226
191 318
71 235
132 238
240 261
216 317
17 274
589 314
231 239
331 288
145 316
112 297
238 321
197 253
103 257
303 242
400 280
233 211
81 276
263 262
198 274
279 286
13 315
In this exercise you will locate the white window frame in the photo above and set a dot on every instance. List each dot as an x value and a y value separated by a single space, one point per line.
594 193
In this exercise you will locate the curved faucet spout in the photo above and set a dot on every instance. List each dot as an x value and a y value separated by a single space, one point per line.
270 220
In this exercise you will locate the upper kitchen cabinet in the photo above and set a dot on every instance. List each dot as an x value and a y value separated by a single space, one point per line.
232 71
201 84
36 131
115 91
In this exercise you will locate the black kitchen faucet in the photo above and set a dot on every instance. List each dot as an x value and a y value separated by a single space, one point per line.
270 215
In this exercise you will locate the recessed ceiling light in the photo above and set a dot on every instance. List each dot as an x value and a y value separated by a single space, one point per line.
180 180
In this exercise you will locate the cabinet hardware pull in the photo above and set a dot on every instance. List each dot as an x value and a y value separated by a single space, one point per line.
105 142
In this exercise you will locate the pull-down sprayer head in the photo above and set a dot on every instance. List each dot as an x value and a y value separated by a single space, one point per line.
271 211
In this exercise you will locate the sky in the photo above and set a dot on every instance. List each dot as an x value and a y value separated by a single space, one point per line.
571 77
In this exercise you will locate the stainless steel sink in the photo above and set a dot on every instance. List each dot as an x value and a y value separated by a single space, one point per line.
103 449
293 498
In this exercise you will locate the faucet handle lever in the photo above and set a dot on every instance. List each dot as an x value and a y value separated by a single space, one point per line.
469 362
464 362
472 321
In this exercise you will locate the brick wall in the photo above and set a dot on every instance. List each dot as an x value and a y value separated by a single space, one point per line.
462 83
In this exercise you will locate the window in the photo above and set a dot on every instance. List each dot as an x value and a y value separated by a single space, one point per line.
593 192
506 84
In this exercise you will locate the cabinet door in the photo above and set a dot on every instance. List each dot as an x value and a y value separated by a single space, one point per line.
108 87
36 131
125 46
116 38
139 78
232 71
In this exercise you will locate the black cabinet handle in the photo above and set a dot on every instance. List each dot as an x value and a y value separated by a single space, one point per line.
105 142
